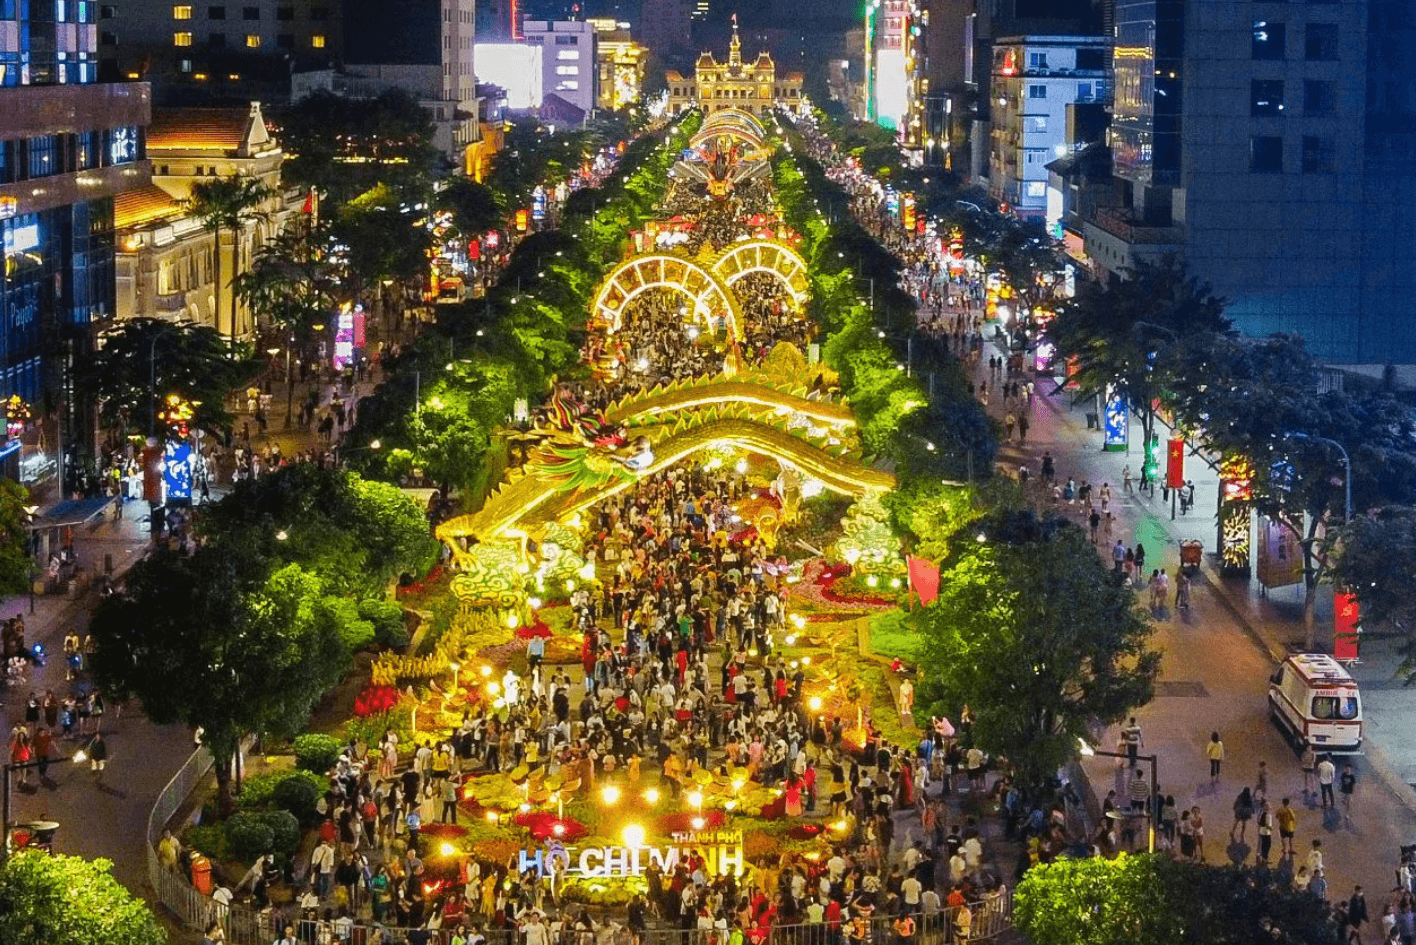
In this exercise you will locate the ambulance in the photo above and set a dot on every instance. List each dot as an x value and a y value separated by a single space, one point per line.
1314 700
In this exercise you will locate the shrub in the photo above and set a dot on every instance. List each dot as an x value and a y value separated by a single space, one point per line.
259 791
209 839
316 752
284 830
387 618
298 794
248 836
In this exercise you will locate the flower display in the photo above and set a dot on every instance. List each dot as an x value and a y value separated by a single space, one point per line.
375 700
544 825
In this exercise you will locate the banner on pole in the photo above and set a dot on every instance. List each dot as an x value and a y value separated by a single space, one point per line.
924 578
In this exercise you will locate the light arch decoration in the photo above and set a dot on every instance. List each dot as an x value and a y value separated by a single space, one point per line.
731 123
710 297
769 256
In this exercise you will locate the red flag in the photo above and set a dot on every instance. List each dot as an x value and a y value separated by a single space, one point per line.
924 578
309 206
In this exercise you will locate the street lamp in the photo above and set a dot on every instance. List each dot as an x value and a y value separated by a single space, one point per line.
1152 806
78 757
1346 470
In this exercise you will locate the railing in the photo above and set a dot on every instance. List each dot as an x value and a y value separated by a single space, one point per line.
246 925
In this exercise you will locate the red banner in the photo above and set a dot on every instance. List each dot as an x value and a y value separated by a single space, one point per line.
1175 462
1345 615
924 578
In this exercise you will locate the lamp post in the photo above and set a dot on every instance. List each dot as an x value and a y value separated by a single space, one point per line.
78 757
1346 470
1152 806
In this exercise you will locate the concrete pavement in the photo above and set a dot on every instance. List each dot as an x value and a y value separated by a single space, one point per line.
1217 660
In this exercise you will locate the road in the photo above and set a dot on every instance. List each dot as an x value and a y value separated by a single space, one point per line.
1214 677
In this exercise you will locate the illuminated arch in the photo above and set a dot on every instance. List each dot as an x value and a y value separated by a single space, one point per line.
530 497
769 256
710 296
732 123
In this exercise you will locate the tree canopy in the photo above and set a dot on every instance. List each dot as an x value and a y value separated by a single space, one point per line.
1037 637
1155 899
142 360
48 898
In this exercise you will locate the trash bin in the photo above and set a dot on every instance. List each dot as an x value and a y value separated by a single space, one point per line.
201 874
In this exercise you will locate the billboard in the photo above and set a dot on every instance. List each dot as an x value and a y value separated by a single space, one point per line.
177 469
515 67
891 88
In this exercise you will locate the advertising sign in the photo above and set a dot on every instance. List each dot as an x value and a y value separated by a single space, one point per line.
538 203
1116 421
1280 557
177 470
1346 635
1175 462
348 337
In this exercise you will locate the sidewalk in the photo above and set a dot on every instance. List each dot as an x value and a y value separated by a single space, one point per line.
1217 659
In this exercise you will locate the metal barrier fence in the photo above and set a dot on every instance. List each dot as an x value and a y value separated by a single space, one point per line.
246 925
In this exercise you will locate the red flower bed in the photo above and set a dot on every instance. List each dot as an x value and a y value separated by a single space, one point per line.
827 581
683 822
537 629
543 826
443 831
805 831
420 586
375 700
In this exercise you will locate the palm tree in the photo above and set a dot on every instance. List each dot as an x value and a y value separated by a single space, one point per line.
228 203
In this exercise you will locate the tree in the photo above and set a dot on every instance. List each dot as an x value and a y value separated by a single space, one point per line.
1161 901
291 283
45 898
1123 336
383 243
15 560
143 359
218 640
1375 556
1259 399
1036 635
228 203
474 207
1031 262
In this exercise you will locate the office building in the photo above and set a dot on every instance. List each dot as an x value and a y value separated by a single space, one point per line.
568 62
1035 79
1286 177
67 146
620 64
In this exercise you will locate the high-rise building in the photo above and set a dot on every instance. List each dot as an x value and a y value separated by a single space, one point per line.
1286 176
1035 78
568 66
216 50
498 21
67 146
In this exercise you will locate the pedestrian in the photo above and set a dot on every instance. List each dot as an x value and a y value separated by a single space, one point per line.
1327 772
1243 812
1265 831
1197 823
1023 423
1314 860
1095 522
1309 765
1287 825
1009 422
1214 751
1356 915
1261 782
98 755
1126 478
1118 555
1347 783
1139 792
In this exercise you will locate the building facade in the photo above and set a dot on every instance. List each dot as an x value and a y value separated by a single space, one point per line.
754 87
569 67
1035 78
620 64
67 146
1287 176
165 263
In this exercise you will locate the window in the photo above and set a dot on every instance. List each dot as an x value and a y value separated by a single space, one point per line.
183 12
253 41
216 41
107 12
285 14
568 85
1084 91
1037 188
216 13
1266 154
1319 98
1265 98
285 41
1036 122
567 41
317 41
184 65
1269 40
1320 42
567 54
1335 707
1037 91
1037 60
250 13
1319 155
535 40
181 39
1035 155
106 38
567 70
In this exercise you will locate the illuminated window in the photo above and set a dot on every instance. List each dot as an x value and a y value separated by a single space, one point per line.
253 41
567 54
181 39
567 70
569 85
183 12
1037 188
317 41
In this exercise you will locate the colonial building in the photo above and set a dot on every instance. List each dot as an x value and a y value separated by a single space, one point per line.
754 87
165 264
